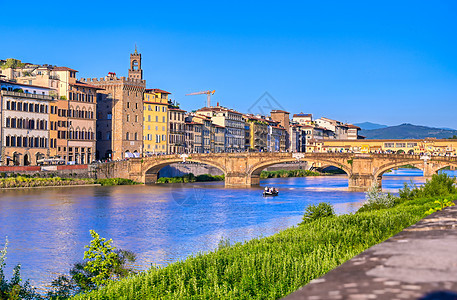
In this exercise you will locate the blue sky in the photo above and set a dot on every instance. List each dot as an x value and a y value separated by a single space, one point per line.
388 62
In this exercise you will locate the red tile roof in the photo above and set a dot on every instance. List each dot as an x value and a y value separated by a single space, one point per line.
156 91
90 86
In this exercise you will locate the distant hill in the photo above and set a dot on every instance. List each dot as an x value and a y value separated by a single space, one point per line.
408 131
370 126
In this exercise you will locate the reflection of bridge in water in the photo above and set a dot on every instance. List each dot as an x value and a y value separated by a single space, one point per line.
243 169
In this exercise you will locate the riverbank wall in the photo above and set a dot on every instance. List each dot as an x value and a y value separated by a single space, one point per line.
64 171
181 169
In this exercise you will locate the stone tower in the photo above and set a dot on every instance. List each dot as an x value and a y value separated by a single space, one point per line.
120 112
135 70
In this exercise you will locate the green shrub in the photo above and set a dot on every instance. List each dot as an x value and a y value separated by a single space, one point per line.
376 199
438 185
315 212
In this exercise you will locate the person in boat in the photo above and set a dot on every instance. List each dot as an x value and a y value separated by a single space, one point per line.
266 189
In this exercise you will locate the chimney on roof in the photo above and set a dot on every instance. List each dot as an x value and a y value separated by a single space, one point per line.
217 103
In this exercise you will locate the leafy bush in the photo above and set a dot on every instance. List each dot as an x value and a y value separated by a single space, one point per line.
439 185
314 212
376 199
103 263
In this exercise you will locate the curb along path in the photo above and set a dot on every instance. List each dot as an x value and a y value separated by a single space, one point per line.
418 263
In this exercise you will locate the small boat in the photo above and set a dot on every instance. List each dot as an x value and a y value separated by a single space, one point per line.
273 193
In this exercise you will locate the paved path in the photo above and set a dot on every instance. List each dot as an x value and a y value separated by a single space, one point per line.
418 263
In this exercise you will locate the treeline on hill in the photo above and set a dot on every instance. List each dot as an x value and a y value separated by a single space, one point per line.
272 267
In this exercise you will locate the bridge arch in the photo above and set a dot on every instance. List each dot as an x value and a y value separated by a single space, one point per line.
255 170
432 167
378 172
151 168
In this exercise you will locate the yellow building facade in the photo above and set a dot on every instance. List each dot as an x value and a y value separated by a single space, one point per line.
155 121
441 147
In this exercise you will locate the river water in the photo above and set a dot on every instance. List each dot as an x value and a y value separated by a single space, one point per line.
48 228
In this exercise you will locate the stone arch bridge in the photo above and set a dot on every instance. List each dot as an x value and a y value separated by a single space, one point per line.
243 169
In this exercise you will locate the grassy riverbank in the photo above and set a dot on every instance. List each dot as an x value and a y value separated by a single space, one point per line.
191 178
272 267
26 182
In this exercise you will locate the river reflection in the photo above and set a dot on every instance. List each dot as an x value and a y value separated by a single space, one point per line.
48 228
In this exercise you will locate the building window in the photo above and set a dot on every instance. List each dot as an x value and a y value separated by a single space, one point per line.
127 136
128 104
128 118
109 116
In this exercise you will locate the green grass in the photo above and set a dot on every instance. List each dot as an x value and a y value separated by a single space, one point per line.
115 181
271 267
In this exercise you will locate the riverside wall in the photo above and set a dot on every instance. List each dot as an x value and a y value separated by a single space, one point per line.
68 171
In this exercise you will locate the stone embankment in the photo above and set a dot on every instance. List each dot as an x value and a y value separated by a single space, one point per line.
418 263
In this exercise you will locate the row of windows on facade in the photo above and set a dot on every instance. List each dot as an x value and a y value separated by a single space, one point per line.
176 116
127 136
55 124
157 128
156 147
81 97
75 135
72 113
176 127
26 123
128 105
400 145
71 149
173 138
157 119
27 142
157 108
27 107
159 137
128 118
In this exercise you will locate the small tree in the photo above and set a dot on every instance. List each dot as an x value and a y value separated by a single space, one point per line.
103 262
314 212
101 259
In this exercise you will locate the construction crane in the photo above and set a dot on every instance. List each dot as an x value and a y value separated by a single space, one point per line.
208 96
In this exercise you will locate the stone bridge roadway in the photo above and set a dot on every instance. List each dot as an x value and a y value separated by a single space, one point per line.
243 169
